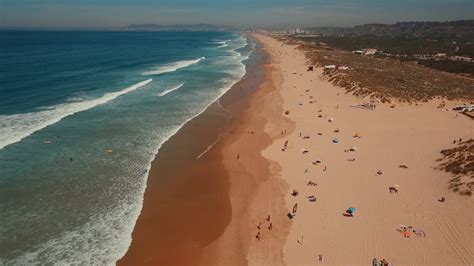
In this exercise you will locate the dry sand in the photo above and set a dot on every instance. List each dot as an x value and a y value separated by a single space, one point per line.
253 178
405 135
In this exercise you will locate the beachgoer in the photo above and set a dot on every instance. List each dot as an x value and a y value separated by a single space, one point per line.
238 156
71 159
270 226
268 218
258 236
320 258
325 167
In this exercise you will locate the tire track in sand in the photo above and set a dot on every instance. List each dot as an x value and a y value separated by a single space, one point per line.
443 222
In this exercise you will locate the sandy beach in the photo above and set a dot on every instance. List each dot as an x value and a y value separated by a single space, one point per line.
336 157
409 135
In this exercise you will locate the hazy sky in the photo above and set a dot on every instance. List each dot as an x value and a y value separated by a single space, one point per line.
277 13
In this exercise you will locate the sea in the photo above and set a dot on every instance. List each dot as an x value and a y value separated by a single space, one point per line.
82 115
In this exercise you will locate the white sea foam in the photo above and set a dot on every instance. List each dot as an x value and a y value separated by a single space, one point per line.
163 93
171 67
223 42
108 236
14 128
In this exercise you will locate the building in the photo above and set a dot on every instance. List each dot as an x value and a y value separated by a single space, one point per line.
370 51
460 58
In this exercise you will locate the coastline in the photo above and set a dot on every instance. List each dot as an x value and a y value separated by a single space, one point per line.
187 180
246 176
256 190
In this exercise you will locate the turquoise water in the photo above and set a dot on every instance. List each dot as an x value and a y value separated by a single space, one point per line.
65 97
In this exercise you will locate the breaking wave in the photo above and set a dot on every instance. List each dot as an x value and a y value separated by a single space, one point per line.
14 128
171 67
163 93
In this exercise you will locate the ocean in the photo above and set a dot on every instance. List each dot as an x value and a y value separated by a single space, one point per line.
82 115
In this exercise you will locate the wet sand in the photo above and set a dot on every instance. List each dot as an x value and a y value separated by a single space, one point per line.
186 203
210 211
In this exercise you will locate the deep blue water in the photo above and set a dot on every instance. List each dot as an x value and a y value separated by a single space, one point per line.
65 97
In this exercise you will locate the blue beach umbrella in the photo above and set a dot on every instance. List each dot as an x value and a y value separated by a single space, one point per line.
351 209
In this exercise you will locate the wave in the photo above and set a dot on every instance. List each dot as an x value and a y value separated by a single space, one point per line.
13 128
163 93
222 42
171 67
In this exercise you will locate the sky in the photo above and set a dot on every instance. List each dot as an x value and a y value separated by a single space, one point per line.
245 13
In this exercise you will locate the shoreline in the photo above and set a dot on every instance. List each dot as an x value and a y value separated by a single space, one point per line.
183 193
248 177
256 190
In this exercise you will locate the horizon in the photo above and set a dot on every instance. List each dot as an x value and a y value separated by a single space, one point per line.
121 27
268 14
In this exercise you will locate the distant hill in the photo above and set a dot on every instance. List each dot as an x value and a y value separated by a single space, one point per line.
193 27
460 29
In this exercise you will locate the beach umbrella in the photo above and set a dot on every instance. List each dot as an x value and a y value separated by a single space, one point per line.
351 209
335 141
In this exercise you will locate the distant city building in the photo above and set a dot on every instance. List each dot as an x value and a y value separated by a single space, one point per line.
370 51
460 58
